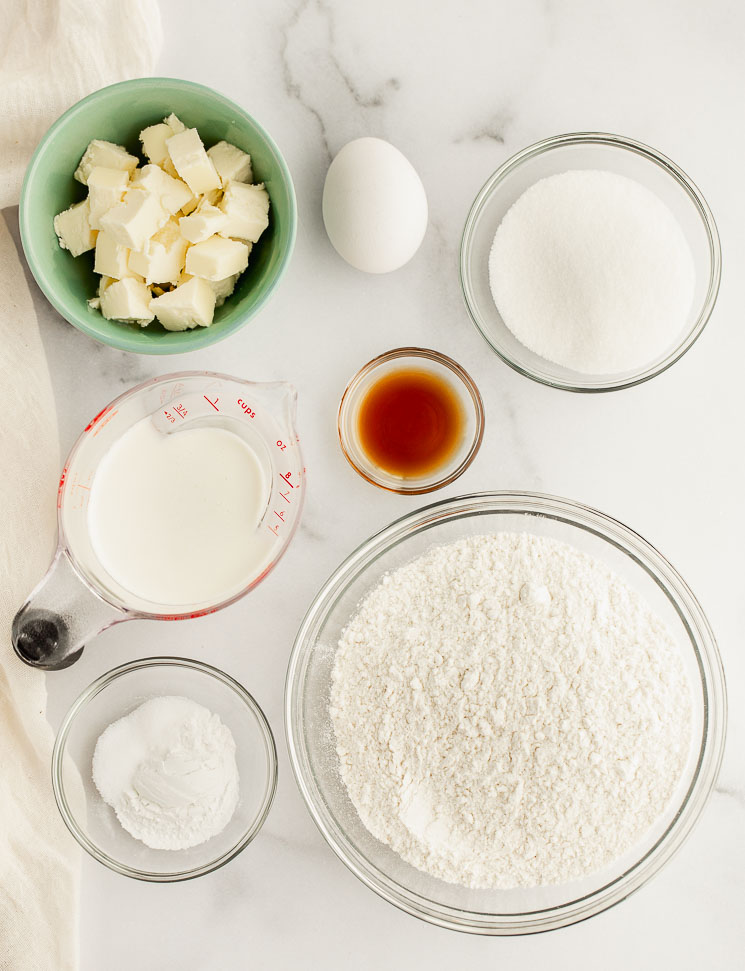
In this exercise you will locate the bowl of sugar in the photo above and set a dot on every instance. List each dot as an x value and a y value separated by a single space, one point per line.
164 769
590 262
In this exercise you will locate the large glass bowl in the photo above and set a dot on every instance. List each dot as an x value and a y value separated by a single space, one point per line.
587 150
311 738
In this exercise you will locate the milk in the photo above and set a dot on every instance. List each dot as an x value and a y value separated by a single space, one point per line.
173 517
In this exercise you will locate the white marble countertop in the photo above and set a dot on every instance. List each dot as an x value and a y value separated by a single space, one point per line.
458 86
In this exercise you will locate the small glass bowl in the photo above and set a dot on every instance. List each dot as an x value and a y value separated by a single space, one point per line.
586 150
93 823
459 381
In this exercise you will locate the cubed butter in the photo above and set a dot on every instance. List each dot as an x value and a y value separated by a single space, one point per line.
192 304
107 155
127 300
162 260
111 257
188 207
137 217
192 163
231 163
247 211
175 124
205 222
172 193
217 258
73 228
153 141
213 197
105 189
222 289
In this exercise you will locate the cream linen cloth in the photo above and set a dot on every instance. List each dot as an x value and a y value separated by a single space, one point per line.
51 55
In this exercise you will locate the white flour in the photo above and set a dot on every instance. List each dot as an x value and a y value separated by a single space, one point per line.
168 770
509 712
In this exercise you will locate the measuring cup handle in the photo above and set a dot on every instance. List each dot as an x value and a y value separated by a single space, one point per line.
61 614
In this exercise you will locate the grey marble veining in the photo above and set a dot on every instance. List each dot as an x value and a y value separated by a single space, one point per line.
458 86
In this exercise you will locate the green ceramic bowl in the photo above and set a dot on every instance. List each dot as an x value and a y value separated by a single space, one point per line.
118 114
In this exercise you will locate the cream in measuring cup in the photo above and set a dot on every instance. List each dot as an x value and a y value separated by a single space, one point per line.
177 499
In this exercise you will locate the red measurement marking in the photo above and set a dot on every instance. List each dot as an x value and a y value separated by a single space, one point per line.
181 411
287 479
280 515
213 403
284 496
61 486
94 420
281 445
274 529
169 416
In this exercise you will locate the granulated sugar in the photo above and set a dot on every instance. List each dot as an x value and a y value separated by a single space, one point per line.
592 271
509 712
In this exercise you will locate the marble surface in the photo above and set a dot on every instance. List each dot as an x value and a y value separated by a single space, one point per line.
458 86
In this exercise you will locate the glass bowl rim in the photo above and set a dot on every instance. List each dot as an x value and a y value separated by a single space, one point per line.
703 643
103 682
464 379
606 139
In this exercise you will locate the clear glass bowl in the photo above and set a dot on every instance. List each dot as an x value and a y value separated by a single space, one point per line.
586 150
311 738
94 824
456 378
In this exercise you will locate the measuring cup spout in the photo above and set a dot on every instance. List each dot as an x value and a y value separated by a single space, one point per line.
61 614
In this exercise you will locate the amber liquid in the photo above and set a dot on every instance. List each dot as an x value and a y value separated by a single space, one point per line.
410 422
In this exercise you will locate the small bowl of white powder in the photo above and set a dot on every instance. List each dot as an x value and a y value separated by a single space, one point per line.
164 769
590 262
505 712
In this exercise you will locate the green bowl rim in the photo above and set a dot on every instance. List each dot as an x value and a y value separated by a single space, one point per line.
205 336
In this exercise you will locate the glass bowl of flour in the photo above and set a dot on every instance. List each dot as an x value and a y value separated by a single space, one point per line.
505 712
590 262
180 737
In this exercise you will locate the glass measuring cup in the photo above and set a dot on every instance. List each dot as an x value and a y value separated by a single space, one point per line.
78 598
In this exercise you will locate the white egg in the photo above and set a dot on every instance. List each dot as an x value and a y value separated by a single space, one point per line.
374 206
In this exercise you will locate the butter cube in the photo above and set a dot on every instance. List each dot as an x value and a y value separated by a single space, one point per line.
154 142
135 219
107 155
231 163
222 289
217 258
73 228
192 162
111 257
105 189
162 260
173 193
213 197
188 207
175 124
192 304
169 168
247 209
205 222
127 300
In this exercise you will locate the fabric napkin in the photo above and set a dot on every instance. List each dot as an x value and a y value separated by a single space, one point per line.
52 53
